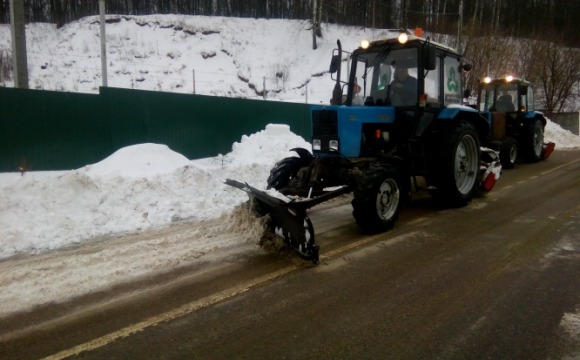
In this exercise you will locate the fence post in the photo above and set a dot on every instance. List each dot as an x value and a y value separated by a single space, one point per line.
193 81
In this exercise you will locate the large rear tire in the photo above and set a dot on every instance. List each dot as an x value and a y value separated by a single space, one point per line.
377 200
457 166
532 141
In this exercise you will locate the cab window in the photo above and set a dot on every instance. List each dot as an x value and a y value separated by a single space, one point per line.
432 84
531 99
486 98
451 81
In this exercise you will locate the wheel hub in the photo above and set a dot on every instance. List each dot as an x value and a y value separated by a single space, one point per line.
465 166
388 199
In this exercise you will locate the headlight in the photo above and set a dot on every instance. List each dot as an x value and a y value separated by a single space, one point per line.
316 144
333 144
403 38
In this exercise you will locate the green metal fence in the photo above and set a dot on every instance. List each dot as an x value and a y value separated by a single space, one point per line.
47 130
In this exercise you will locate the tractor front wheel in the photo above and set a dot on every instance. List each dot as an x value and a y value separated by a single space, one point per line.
377 200
286 171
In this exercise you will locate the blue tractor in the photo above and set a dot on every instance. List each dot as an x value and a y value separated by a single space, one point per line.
517 129
397 117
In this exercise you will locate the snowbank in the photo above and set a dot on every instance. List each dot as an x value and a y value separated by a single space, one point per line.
136 188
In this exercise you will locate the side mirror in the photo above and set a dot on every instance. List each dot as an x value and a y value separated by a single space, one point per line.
466 67
429 58
334 64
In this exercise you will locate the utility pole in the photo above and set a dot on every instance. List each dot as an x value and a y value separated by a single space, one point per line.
19 57
103 42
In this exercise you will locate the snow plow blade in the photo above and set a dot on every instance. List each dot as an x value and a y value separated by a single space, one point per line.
490 168
547 150
289 219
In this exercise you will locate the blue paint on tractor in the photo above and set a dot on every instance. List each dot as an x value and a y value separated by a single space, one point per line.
350 122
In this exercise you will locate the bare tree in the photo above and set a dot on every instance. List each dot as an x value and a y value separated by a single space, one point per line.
490 56
558 73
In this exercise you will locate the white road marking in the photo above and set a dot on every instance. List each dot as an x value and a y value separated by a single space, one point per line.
559 167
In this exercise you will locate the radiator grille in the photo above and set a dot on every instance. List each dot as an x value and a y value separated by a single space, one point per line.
324 123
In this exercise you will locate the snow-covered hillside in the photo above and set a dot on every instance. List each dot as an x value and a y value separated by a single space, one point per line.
226 56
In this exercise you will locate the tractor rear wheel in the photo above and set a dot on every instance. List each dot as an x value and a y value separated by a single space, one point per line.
377 200
457 166
532 141
285 172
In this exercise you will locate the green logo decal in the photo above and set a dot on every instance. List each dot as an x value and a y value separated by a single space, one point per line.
452 84
382 82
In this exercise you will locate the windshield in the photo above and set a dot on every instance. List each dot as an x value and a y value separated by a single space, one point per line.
507 97
502 98
386 78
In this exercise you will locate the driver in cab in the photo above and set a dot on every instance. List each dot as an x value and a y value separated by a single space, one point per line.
404 86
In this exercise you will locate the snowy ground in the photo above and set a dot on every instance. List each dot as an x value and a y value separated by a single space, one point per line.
138 188
68 233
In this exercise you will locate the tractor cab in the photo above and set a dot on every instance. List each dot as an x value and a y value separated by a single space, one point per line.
396 90
506 95
403 72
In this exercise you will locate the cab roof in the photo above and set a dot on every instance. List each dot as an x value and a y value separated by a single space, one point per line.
504 80
411 38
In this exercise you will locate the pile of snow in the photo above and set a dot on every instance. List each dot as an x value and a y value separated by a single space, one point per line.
138 161
564 139
136 188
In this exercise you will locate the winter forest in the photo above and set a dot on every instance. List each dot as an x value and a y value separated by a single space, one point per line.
547 52
518 18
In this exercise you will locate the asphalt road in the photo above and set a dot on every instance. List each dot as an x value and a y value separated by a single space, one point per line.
498 279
